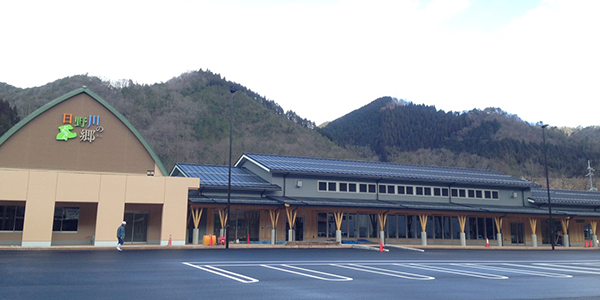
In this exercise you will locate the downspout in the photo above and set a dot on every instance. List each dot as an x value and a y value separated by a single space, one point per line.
284 181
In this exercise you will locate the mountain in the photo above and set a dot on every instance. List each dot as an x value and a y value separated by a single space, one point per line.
186 119
399 131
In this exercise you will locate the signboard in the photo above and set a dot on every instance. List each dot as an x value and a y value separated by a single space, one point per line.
90 128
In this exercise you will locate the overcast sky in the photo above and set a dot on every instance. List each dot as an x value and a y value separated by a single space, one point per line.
538 59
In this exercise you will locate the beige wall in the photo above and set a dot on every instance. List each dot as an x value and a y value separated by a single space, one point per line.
116 149
102 199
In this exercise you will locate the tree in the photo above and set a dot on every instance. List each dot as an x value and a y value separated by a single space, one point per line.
8 116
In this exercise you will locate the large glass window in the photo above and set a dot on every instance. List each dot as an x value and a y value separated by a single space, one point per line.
322 225
402 226
455 228
392 226
66 219
11 217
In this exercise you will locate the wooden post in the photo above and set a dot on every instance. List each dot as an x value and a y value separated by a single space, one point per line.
291 216
382 221
565 228
533 224
423 219
196 215
462 221
498 221
274 213
594 224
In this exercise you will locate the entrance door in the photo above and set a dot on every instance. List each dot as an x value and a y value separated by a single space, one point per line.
299 229
136 230
517 233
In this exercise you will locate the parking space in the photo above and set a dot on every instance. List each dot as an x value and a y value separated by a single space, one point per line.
345 271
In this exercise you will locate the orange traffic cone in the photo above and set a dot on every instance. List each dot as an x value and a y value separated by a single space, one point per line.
487 242
380 246
170 240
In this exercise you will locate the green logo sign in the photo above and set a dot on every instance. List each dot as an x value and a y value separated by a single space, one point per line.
65 133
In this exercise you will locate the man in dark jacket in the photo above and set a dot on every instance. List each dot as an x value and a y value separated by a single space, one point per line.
121 235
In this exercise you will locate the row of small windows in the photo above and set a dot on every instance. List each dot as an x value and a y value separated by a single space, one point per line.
393 189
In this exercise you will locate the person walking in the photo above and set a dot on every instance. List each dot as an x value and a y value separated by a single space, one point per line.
121 235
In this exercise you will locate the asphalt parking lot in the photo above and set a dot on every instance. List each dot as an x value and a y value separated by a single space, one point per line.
299 274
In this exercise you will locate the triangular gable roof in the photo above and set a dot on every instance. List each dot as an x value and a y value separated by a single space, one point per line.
94 96
218 176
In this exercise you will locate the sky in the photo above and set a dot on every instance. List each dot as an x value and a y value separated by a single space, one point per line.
538 59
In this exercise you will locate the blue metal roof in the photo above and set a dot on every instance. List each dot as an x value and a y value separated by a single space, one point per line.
218 176
289 164
566 197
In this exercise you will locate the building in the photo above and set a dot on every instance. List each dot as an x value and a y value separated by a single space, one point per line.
74 169
312 199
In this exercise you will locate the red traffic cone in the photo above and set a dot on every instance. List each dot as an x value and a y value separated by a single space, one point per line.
487 242
210 243
586 243
380 245
248 240
170 240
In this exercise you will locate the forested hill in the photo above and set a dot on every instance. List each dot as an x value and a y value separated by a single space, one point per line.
399 131
186 119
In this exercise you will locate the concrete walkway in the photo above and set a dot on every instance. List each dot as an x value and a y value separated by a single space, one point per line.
295 245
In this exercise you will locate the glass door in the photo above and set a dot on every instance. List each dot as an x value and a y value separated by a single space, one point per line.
136 230
517 233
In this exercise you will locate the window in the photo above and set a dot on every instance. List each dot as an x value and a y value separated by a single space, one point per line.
322 186
495 195
462 193
343 187
471 193
352 187
488 195
427 191
444 192
11 217
382 189
372 188
331 186
66 219
437 191
409 190
401 190
391 189
362 188
478 194
419 191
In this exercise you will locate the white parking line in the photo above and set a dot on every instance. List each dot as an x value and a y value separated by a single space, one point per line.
453 271
552 267
231 275
534 273
335 277
386 272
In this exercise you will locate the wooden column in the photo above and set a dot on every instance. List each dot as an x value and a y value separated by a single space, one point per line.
462 221
594 224
291 217
533 224
565 228
423 219
498 221
196 215
382 221
274 214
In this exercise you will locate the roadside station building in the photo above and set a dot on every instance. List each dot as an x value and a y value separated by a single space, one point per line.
275 199
74 169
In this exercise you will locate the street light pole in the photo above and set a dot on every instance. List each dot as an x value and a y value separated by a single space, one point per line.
232 90
551 226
